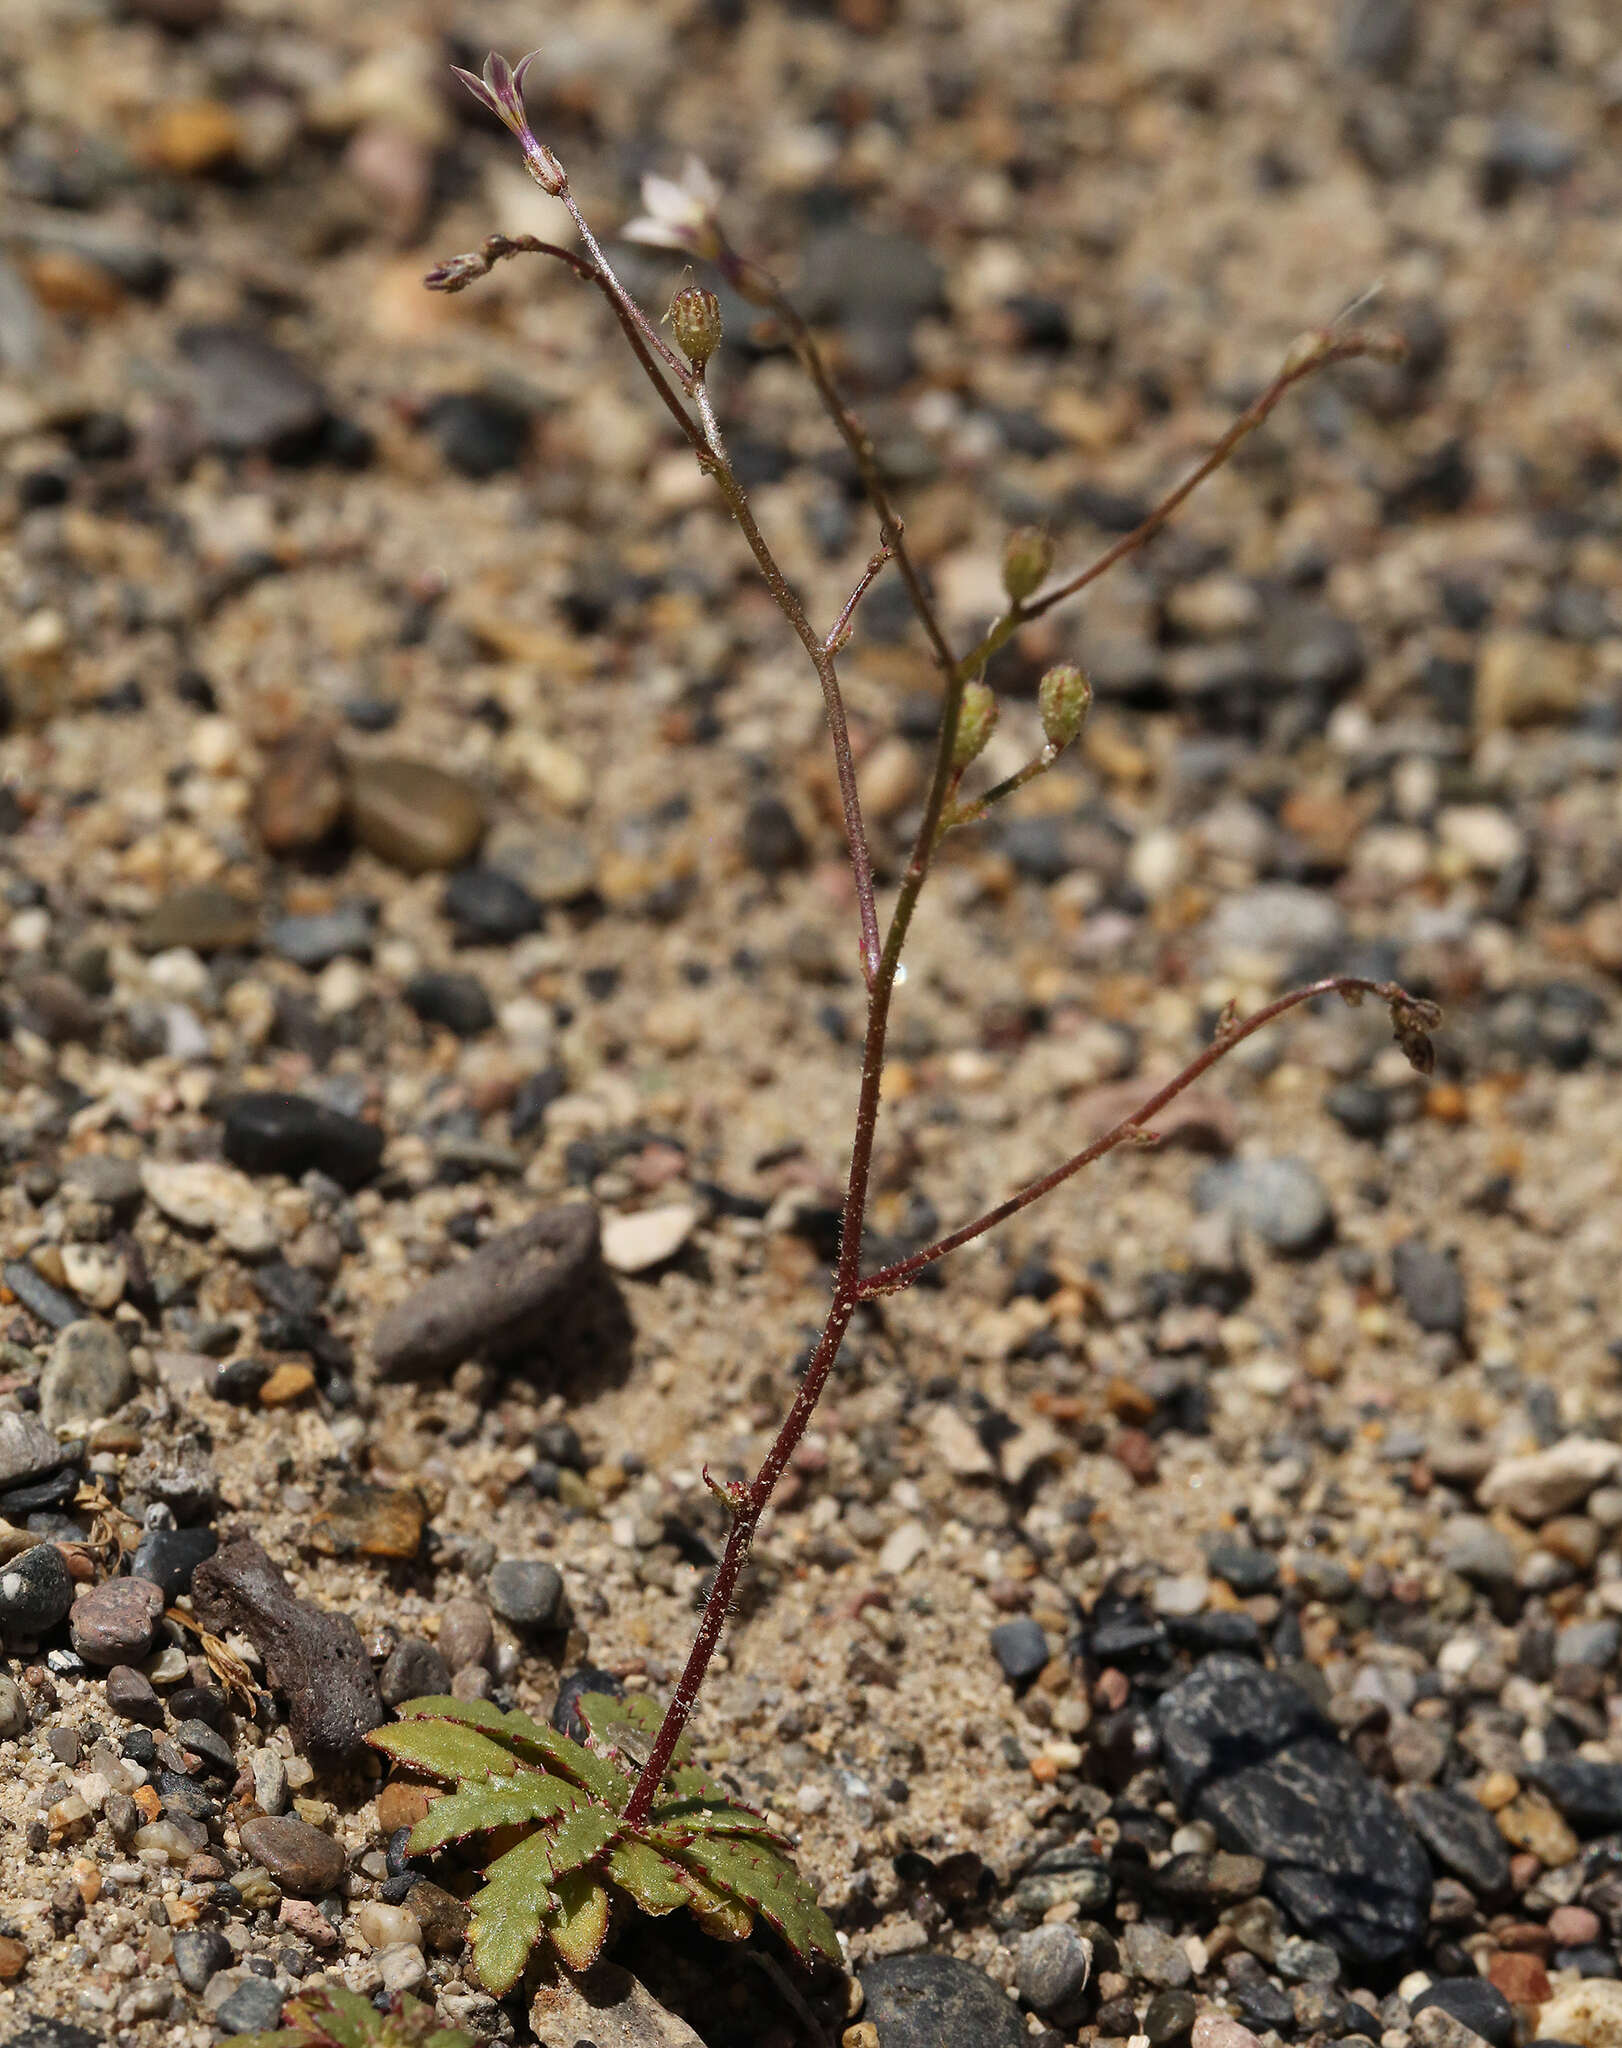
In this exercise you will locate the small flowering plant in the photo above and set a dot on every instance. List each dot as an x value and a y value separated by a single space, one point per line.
683 214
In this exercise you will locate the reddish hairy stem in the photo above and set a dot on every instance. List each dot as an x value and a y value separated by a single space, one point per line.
1330 351
888 1279
839 632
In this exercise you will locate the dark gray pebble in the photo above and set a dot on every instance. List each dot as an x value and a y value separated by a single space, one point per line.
251 394
1587 1793
53 1308
314 939
1476 2004
253 2008
266 1132
200 1952
168 1557
36 1591
1282 1200
772 841
1461 1838
499 1302
412 1671
932 2001
525 1592
489 908
458 1002
1249 1751
130 1693
1021 1648
1052 1965
1430 1285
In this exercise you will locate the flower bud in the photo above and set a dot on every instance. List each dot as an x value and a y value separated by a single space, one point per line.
695 320
1027 557
1064 697
976 722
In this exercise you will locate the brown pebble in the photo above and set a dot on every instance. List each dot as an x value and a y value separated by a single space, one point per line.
466 1635
1521 1978
316 1658
301 794
13 1958
299 1857
115 1623
500 1301
442 1917
401 1804
206 918
191 137
288 1382
1136 1451
376 1521
414 815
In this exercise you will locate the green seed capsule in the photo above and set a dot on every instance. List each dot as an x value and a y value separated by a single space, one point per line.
1064 697
1027 557
976 722
695 320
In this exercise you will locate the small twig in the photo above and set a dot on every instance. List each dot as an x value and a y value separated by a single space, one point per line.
841 629
456 273
1411 1019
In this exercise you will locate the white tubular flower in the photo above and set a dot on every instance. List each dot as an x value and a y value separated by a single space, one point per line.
680 213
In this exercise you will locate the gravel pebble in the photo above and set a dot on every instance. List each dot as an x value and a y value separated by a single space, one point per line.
1052 1966
315 1656
36 1591
500 1301
525 1592
1545 1483
1282 1200
116 1622
301 1859
265 1132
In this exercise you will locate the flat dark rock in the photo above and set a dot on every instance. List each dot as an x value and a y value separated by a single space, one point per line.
314 1656
930 2001
496 1303
1588 1794
1248 1751
1462 1838
270 1133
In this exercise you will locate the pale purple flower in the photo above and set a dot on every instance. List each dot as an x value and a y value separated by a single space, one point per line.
501 89
679 213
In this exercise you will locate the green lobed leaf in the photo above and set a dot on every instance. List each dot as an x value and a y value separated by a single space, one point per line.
444 1749
583 1835
497 1803
754 1872
445 1706
653 1881
527 1741
578 1924
508 1911
713 1817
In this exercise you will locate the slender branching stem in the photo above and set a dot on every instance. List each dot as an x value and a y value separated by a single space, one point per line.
1131 1129
676 381
839 632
